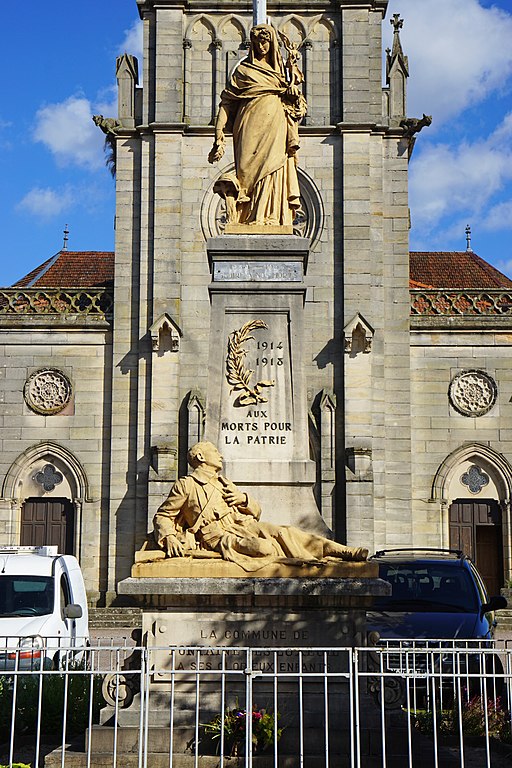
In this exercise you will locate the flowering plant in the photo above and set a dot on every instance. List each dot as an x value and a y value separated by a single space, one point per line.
232 726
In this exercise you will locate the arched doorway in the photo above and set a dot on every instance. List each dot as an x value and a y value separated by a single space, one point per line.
474 485
47 487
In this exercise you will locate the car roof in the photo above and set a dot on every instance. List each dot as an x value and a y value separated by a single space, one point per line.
420 555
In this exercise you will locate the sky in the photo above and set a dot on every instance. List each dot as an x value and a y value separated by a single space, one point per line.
52 163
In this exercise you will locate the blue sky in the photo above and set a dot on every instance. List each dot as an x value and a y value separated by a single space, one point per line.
52 170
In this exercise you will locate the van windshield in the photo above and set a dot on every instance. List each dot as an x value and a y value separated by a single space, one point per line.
26 595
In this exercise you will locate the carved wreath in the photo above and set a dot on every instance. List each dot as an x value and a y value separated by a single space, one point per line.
238 376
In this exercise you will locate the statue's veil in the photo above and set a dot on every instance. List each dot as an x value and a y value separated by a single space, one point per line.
275 58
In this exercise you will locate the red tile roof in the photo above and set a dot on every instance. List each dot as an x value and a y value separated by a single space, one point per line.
454 269
72 269
441 269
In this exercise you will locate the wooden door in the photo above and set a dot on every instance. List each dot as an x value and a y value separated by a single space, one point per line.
488 556
48 522
476 529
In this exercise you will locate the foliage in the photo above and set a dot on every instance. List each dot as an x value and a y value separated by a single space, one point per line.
264 730
16 765
55 701
476 716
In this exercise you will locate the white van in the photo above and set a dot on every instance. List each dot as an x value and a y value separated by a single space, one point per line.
43 608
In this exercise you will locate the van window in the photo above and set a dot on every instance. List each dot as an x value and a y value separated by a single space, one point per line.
65 594
26 595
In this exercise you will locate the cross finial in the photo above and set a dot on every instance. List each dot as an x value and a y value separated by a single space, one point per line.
65 243
468 238
397 22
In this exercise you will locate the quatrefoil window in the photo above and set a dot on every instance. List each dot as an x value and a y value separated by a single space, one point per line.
474 479
48 477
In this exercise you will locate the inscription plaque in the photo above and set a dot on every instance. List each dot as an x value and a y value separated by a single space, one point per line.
257 271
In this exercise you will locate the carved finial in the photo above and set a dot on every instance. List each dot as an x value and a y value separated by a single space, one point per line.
65 243
397 22
468 238
395 56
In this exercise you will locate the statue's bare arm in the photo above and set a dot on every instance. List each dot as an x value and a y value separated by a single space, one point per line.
219 144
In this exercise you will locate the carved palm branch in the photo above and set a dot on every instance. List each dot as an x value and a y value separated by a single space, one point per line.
237 375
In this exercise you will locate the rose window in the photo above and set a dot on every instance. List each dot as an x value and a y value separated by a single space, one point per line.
473 393
47 392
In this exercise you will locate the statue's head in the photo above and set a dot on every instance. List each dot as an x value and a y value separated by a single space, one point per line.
205 453
265 45
261 32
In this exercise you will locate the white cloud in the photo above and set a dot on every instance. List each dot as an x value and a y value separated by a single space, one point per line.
499 217
505 266
448 180
459 53
133 41
45 202
69 133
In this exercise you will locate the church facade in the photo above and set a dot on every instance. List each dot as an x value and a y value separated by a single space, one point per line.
400 359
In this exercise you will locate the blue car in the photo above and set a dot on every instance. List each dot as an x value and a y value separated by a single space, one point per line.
435 593
436 625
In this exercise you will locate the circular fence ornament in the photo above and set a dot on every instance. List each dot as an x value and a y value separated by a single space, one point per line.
473 393
47 392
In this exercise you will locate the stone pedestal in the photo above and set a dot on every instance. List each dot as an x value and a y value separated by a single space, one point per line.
218 643
257 404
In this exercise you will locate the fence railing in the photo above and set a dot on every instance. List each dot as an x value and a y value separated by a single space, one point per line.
405 704
56 301
460 302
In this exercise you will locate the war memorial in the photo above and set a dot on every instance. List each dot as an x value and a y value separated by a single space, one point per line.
254 391
246 558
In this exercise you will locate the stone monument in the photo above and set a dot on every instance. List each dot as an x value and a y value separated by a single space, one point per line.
218 569
217 561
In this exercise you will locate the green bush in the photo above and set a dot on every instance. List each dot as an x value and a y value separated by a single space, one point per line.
16 765
471 715
54 702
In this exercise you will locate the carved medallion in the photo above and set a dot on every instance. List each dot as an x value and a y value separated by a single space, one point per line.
237 375
47 391
472 393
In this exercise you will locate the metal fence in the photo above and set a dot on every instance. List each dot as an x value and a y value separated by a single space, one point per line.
406 704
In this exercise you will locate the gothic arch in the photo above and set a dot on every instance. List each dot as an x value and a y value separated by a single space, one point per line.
205 21
295 23
237 22
455 495
494 464
20 470
323 21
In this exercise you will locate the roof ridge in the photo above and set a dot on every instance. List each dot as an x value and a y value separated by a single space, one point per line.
44 269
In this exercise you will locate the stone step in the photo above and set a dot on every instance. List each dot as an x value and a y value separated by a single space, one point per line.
105 618
504 619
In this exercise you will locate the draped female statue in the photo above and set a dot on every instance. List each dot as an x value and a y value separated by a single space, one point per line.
262 105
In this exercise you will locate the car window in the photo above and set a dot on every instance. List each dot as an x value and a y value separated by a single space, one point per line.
26 595
479 585
428 587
